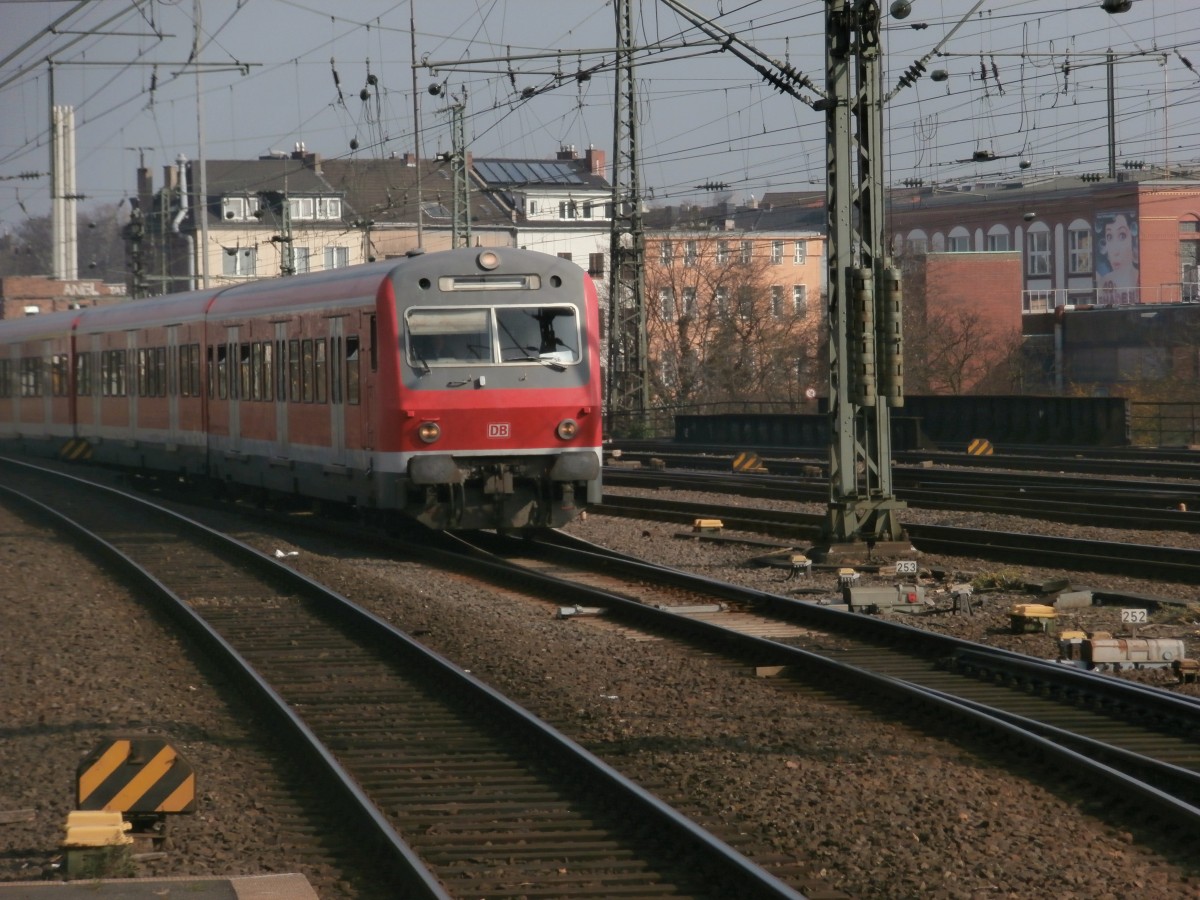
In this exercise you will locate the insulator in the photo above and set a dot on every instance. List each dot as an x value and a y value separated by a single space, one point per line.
891 339
862 340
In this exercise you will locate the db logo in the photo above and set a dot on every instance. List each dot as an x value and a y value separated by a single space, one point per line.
499 430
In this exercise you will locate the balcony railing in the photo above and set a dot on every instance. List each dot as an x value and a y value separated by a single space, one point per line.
1043 301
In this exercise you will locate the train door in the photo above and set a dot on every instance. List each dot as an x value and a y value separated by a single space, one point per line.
236 368
337 388
131 384
281 389
173 365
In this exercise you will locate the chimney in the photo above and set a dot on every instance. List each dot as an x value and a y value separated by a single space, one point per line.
410 160
595 161
567 151
145 186
170 178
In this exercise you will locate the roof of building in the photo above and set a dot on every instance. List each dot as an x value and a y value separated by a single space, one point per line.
386 190
249 176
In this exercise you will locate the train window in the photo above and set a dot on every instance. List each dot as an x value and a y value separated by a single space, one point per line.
321 380
189 370
84 387
538 334
449 336
353 394
245 360
294 370
307 365
5 378
267 371
112 373
60 375
222 368
31 376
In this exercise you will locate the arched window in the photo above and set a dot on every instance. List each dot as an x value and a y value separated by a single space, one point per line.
1079 248
998 239
1037 250
959 240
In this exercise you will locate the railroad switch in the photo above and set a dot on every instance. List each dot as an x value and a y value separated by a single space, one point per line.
885 599
847 578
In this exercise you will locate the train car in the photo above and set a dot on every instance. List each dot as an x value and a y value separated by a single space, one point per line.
461 387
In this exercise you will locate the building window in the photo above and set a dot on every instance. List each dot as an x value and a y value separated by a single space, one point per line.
238 209
239 261
300 259
337 257
666 302
533 207
596 265
666 253
721 298
300 207
998 240
690 253
587 209
800 299
776 252
747 252
1038 253
722 252
689 301
800 253
328 208
1079 245
568 209
958 241
777 301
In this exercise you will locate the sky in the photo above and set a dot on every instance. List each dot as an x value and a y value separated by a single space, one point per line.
1025 82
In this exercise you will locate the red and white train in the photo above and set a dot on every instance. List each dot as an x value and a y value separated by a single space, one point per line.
460 387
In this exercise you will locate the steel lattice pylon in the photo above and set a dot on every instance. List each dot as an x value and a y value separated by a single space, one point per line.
628 391
865 375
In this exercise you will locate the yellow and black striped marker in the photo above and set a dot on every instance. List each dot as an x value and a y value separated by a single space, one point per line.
76 449
136 776
748 461
980 447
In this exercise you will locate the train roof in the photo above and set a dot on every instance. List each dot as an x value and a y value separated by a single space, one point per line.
168 310
337 287
31 328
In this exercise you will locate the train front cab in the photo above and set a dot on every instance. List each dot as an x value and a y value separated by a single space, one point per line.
491 409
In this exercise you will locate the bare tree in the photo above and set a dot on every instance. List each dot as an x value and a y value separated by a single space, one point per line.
720 331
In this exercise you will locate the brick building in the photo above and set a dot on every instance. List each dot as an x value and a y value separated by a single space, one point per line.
28 295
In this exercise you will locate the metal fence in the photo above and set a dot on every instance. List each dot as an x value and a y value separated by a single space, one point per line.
1169 424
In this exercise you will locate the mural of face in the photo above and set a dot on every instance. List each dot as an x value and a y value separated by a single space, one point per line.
1117 259
1118 243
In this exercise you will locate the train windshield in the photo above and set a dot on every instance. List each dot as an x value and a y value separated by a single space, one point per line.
544 335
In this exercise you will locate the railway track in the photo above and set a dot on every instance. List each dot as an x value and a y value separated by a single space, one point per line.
457 791
1139 742
1134 560
1116 504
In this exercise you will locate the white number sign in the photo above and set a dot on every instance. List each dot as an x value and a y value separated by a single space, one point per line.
1134 616
906 567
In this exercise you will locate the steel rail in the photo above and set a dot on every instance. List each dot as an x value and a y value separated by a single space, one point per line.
972 715
727 872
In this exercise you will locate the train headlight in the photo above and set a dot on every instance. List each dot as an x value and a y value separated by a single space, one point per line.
488 260
567 429
429 432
